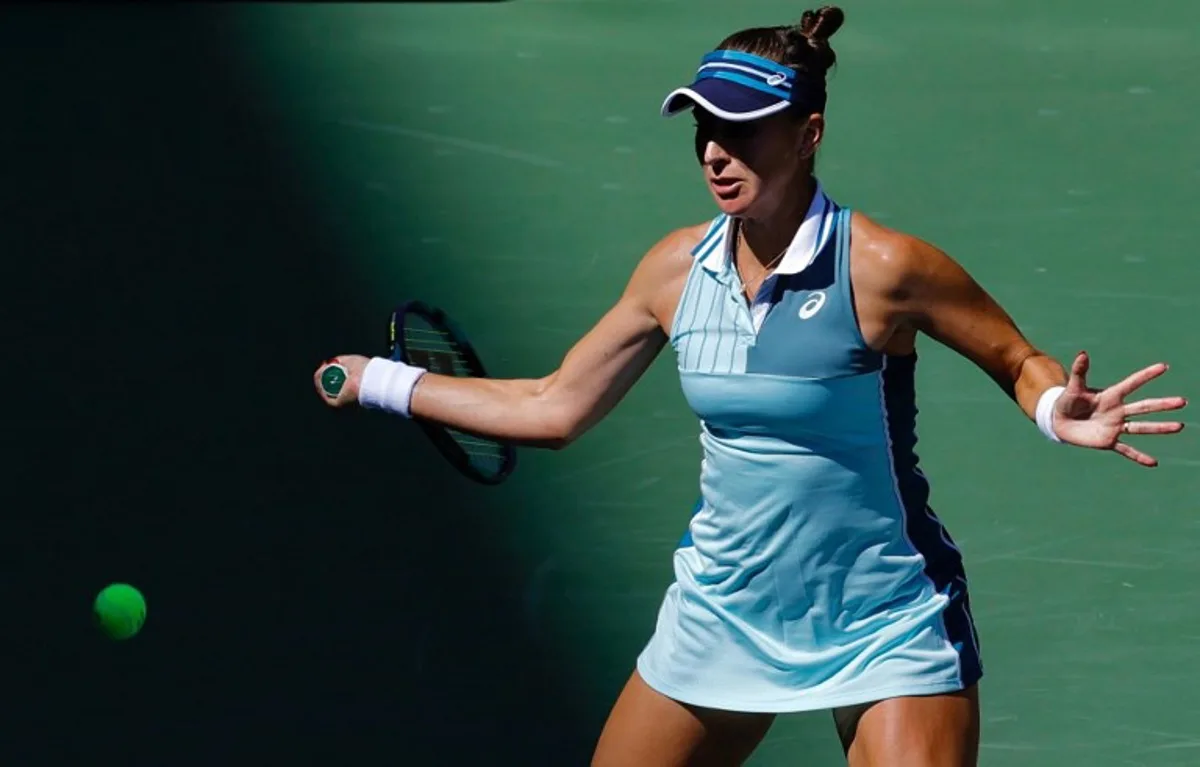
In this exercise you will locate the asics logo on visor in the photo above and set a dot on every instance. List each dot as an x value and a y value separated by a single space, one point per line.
776 79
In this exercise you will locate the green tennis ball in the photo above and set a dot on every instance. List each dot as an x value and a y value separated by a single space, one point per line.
120 610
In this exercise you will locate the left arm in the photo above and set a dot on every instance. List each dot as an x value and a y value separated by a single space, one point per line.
936 296
945 303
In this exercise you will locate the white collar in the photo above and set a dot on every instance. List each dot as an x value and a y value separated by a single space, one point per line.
812 235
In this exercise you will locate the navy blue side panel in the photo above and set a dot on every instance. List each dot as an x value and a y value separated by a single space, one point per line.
960 627
943 561
900 401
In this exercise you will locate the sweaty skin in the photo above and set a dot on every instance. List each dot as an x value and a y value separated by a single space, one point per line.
901 286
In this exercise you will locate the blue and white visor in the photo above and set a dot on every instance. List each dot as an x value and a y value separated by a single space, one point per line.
739 87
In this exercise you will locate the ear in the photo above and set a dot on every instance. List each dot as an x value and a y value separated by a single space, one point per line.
811 135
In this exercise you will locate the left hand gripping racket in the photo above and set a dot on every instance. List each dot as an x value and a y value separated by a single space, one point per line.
422 335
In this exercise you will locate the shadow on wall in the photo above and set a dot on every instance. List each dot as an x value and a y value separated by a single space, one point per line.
174 290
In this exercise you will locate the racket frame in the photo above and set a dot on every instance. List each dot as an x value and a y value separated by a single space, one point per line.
438 434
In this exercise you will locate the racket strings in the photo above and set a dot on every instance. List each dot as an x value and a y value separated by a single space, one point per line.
437 351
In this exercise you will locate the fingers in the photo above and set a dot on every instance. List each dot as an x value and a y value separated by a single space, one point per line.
1135 381
1143 428
1077 381
1153 427
1154 405
1135 455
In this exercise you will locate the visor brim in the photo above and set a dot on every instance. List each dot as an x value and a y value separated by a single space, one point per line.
724 99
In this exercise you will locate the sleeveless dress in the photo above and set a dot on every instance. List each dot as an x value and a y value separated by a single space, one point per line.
813 573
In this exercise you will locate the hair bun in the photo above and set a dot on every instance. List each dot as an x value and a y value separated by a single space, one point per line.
823 23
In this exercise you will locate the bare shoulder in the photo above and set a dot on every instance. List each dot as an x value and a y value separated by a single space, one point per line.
671 255
894 264
658 281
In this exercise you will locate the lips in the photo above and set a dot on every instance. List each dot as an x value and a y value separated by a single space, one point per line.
726 187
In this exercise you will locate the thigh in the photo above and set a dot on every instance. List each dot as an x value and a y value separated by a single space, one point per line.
648 729
919 731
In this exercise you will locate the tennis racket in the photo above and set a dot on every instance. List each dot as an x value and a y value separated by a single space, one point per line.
422 335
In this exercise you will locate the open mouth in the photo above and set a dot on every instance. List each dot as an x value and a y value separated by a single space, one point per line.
726 188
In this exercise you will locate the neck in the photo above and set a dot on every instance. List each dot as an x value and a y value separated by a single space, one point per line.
769 235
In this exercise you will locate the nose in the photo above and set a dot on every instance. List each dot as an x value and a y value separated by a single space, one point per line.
714 155
713 152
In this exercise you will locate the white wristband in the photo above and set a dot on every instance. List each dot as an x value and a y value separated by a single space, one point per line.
1044 415
388 385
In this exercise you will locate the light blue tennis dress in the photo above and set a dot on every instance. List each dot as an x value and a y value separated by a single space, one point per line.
813 574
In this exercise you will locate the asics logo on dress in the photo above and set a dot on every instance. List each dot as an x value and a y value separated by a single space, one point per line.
813 305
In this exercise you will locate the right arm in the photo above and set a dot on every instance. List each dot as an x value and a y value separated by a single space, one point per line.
593 377
555 410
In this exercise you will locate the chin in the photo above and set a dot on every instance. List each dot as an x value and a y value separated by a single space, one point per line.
736 206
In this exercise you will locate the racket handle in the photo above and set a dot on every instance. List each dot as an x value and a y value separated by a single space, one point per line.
333 378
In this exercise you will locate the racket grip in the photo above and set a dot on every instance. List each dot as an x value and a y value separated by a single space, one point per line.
333 378
388 385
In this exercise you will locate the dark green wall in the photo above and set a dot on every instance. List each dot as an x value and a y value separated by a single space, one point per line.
176 281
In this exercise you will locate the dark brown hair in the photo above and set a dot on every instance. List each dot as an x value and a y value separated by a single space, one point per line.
804 47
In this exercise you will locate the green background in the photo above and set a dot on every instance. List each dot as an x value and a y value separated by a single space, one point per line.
204 202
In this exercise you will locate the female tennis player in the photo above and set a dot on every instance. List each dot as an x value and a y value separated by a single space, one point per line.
813 574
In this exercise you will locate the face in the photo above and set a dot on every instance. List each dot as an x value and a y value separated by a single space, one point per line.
750 167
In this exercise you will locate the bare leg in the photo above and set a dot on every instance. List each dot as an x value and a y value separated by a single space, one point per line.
648 729
928 731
